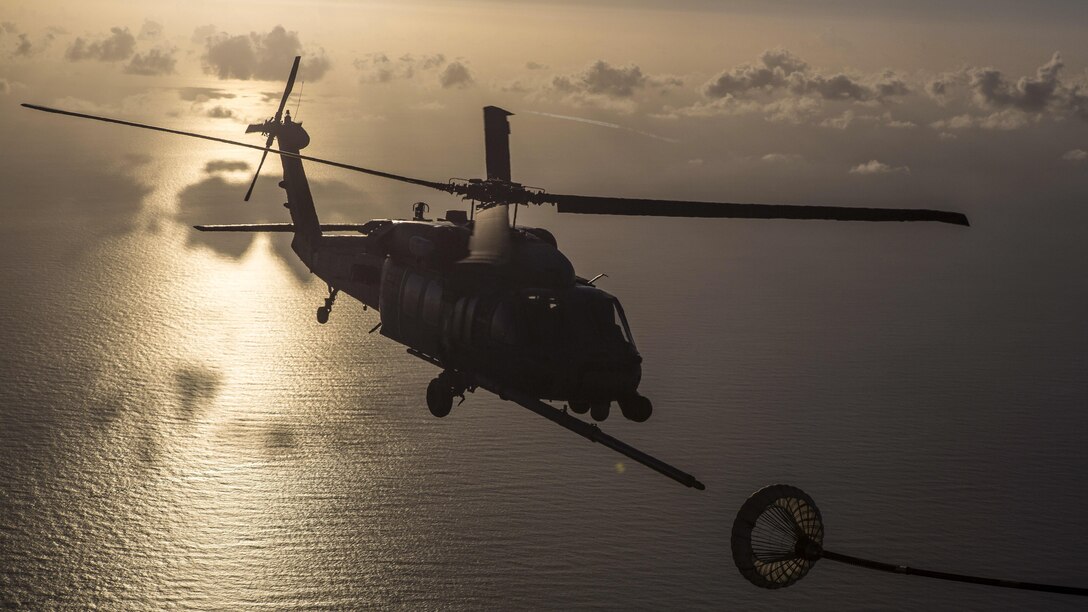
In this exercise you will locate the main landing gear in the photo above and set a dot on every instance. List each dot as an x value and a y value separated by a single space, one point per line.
442 390
637 408
324 311
634 407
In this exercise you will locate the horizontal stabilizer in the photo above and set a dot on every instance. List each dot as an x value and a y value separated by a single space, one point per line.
282 227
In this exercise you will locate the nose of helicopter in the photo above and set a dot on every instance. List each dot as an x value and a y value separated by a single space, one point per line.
609 379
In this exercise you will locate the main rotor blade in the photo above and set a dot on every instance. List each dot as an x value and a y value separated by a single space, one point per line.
594 205
317 160
253 183
287 90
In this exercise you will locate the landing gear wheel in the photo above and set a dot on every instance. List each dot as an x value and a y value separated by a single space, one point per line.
324 311
439 398
637 408
579 407
599 410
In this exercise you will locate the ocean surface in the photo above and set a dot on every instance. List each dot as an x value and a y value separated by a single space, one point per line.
176 430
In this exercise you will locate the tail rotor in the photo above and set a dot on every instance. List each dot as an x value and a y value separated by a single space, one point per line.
269 127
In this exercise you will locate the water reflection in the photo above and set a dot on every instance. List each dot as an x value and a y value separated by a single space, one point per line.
176 431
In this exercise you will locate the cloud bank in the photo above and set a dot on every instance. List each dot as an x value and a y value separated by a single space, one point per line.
118 46
260 56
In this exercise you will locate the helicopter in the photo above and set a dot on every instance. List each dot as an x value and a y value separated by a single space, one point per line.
491 304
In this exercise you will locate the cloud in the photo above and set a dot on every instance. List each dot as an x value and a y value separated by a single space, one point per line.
877 167
225 165
150 30
840 122
154 62
849 117
379 68
24 48
516 87
774 70
1076 155
899 125
603 85
219 112
5 86
780 158
535 66
778 70
1008 119
601 78
203 33
1010 104
942 87
455 74
890 86
786 89
260 56
792 110
118 46
1031 95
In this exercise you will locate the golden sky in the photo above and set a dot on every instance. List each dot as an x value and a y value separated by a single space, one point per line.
840 102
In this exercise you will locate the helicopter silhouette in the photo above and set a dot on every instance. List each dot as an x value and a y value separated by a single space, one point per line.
493 305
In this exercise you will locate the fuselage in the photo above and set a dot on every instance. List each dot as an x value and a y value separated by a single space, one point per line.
528 323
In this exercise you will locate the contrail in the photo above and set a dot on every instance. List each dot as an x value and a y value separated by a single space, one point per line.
614 126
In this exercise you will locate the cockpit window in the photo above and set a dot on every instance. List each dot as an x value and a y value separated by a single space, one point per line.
619 320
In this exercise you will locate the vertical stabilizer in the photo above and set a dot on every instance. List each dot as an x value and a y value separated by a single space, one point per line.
497 143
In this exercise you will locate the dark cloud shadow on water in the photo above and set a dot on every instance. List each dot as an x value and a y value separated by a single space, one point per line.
281 437
102 201
67 192
197 387
198 94
217 199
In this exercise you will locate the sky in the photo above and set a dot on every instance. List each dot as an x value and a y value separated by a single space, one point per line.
980 107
